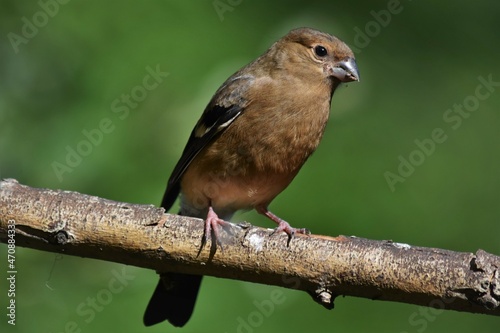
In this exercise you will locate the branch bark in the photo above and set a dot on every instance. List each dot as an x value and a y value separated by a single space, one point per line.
325 267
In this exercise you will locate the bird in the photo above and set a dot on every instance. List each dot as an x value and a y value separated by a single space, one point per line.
253 137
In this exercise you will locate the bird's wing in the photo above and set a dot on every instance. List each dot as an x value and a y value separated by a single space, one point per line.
227 104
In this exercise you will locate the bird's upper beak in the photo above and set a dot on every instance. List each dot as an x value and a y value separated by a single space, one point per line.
346 70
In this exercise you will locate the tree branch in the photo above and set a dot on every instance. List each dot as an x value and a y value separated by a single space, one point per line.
325 267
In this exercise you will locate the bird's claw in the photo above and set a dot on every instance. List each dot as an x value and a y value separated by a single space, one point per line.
289 230
213 223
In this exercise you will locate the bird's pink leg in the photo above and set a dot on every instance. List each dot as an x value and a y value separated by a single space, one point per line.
282 224
212 223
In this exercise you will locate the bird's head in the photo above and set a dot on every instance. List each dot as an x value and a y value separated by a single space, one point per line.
314 53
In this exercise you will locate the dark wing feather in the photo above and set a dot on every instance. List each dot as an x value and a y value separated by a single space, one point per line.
227 104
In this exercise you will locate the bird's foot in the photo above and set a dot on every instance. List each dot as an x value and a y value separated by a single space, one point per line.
290 231
283 225
213 224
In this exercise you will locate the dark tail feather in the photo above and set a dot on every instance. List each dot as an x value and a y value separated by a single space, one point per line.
173 299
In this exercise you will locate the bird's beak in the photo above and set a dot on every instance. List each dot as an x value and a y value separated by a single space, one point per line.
346 70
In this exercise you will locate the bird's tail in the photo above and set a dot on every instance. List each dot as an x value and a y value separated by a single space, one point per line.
173 299
176 293
174 296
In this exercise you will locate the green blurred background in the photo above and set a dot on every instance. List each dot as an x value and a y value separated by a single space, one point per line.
414 67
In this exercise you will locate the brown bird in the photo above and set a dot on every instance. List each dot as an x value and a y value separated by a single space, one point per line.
250 142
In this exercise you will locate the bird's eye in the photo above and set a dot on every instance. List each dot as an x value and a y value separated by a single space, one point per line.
320 51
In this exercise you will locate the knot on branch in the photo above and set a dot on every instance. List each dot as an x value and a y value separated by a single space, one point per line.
61 237
324 297
485 272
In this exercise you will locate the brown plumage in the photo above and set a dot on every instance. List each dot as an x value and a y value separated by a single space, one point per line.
255 134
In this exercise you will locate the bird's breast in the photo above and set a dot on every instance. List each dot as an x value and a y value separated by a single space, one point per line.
259 154
230 190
